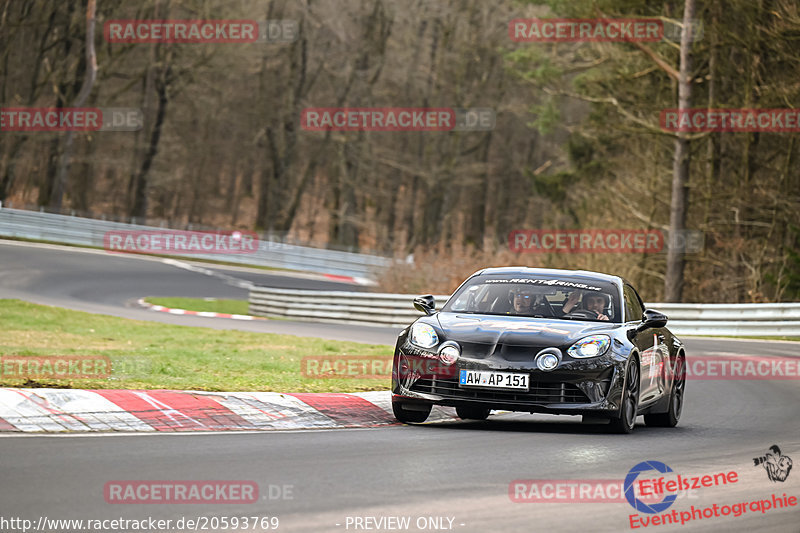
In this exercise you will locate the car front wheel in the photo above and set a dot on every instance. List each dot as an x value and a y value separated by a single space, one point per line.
411 414
630 401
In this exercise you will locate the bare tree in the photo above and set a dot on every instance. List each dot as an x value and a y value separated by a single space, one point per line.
90 74
673 281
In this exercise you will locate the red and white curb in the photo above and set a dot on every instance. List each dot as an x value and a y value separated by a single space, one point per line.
207 314
349 279
75 410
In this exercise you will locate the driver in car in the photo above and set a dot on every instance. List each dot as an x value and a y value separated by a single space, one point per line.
591 302
524 303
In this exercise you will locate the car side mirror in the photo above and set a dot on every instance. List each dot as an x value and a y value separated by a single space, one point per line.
653 319
650 319
425 304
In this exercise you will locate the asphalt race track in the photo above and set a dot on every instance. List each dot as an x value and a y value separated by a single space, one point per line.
456 470
98 282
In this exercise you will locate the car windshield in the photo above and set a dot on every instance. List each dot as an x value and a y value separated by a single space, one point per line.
538 297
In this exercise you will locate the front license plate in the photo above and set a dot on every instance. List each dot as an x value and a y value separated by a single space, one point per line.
493 380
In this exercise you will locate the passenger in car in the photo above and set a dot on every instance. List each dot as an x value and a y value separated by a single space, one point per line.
591 302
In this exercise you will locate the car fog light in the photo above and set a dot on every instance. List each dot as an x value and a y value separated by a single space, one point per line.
547 362
449 354
548 359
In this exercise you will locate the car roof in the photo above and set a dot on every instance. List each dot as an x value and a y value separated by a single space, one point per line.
550 272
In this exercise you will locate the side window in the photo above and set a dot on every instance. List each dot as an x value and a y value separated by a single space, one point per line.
633 306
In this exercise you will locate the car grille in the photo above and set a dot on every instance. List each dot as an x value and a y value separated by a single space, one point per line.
506 352
539 392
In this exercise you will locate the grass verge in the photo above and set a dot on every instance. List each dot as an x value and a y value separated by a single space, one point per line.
148 355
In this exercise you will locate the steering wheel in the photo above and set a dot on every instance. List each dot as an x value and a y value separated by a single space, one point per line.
583 313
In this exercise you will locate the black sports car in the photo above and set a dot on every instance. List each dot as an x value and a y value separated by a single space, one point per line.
540 340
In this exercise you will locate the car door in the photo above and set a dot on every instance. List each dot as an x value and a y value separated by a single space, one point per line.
651 345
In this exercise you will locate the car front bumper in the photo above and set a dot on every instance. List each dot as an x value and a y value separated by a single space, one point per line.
577 387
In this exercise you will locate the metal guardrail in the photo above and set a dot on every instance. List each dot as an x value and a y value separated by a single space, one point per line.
343 307
89 232
396 310
781 319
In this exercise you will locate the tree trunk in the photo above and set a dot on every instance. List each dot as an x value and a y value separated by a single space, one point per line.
65 89
90 74
714 155
673 282
139 208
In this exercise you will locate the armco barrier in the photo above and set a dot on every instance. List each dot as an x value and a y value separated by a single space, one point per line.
89 232
397 310
394 310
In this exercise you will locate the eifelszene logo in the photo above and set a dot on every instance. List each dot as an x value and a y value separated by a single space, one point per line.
630 494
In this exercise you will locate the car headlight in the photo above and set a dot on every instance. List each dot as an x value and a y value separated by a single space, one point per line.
591 346
423 335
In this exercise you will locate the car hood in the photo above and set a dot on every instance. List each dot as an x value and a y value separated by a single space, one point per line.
518 331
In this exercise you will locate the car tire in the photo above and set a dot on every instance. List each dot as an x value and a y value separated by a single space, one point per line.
411 416
673 414
626 420
472 413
